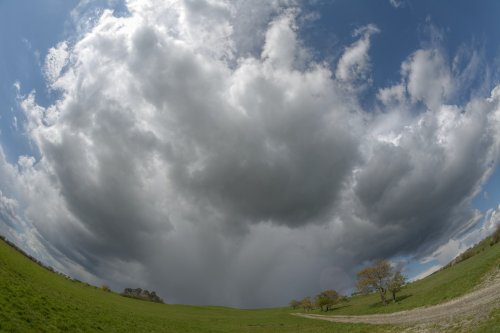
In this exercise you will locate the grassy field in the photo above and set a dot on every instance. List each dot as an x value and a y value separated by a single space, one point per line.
491 325
33 299
436 288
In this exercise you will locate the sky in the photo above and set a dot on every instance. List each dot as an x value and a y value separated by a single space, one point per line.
244 153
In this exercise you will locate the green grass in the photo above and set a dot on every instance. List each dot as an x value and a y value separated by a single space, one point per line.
490 325
33 299
439 287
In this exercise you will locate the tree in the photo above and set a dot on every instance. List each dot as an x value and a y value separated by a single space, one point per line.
397 282
495 238
294 304
307 303
327 299
375 278
142 294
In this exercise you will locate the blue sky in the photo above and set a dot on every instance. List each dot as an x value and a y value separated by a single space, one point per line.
347 141
24 45
404 28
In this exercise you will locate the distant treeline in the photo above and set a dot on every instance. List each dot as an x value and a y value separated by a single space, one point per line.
128 292
142 294
30 257
38 262
476 249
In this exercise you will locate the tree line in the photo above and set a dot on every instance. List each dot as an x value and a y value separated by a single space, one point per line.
142 294
324 301
380 277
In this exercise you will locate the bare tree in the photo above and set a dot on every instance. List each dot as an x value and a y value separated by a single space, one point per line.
307 303
495 238
294 304
375 278
396 283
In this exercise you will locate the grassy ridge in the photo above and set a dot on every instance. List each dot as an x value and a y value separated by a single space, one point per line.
453 281
33 299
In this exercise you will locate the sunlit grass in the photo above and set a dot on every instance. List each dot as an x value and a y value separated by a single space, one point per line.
33 299
439 287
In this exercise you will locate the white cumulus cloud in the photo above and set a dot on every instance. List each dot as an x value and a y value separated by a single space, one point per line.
213 167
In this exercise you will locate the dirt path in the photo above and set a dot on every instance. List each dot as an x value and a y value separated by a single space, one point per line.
479 301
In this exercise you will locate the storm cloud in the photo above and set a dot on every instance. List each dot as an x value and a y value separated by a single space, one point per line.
211 158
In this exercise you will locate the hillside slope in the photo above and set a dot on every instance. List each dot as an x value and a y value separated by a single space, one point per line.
462 297
441 286
474 304
33 299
